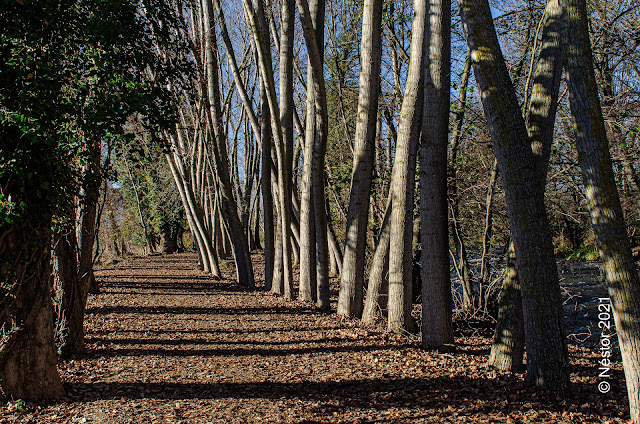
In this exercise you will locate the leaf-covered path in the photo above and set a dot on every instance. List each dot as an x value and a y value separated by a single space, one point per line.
168 344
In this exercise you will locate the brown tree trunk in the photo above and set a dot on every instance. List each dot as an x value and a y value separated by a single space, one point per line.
27 352
607 219
312 20
508 345
378 281
75 298
507 350
547 355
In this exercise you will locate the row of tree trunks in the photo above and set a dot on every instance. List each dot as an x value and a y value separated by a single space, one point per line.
228 205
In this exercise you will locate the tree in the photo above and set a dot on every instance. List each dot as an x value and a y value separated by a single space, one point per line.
403 179
350 301
544 322
508 344
312 20
48 68
437 328
605 210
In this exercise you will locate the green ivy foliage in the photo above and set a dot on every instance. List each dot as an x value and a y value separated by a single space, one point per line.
71 74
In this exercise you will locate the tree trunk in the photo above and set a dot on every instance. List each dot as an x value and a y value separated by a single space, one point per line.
506 352
169 240
402 180
228 206
312 20
350 301
378 281
267 197
437 326
547 355
285 148
74 298
605 211
27 354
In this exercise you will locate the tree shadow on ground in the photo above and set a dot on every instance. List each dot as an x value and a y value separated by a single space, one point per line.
234 352
471 395
189 310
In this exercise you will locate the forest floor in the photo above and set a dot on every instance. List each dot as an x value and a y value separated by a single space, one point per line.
167 343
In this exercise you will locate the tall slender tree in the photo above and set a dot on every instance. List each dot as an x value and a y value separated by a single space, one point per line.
437 326
350 301
403 179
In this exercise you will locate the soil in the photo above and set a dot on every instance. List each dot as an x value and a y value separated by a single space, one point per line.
167 343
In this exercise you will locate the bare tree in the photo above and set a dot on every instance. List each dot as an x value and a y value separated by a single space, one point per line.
437 327
350 301
602 197
547 363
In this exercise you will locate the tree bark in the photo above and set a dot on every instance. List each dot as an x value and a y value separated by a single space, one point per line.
285 152
312 20
547 355
508 343
402 180
437 326
26 312
507 350
605 211
350 301
378 280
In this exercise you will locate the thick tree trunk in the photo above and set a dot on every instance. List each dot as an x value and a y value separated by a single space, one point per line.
547 355
308 277
602 197
267 196
285 148
66 257
437 326
507 350
76 257
508 345
27 352
350 301
402 180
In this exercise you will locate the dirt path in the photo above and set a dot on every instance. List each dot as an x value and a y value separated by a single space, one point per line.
168 344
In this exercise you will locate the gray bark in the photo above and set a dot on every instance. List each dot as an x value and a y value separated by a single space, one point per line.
350 301
402 180
437 326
